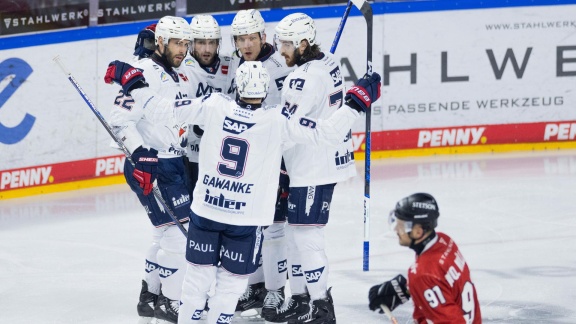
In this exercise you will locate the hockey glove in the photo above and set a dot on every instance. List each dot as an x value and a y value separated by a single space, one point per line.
145 168
126 75
364 92
391 293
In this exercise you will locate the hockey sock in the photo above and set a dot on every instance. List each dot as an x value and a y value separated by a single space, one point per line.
229 287
274 254
310 243
297 280
172 262
195 288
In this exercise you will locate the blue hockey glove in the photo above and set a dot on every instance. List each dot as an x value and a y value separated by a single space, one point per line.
391 293
145 43
145 168
364 92
126 75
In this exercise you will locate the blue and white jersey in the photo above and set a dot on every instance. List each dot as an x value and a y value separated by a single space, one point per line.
316 90
135 129
276 66
241 151
204 80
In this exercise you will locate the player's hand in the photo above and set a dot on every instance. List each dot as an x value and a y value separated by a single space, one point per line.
364 92
126 75
391 293
145 168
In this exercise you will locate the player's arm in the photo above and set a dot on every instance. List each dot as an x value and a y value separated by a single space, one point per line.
124 116
331 131
154 106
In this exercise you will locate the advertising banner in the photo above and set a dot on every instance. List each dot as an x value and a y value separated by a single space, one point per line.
195 7
133 10
24 18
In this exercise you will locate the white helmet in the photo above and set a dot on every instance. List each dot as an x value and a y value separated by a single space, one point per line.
205 27
248 22
252 80
296 27
172 27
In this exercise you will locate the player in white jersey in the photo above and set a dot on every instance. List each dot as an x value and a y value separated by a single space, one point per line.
159 144
249 38
314 90
207 72
239 160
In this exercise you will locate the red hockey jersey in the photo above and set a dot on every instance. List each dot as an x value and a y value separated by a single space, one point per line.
440 285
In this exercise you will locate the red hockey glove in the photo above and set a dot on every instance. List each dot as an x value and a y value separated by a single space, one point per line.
145 168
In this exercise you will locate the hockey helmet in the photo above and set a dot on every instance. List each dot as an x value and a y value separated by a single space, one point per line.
418 208
295 28
145 43
252 80
248 22
205 27
172 27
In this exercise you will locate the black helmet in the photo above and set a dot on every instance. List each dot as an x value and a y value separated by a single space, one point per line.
418 208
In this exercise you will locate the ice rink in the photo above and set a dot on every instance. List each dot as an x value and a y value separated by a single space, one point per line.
78 257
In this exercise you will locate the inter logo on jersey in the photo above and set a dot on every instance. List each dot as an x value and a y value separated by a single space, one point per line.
223 202
336 76
297 84
235 127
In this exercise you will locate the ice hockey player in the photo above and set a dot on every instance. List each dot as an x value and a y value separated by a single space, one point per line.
239 158
207 71
157 148
249 38
315 89
439 280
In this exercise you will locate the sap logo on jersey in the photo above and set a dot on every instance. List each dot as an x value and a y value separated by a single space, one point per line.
151 266
166 272
197 315
313 275
297 84
297 270
224 319
235 127
336 76
282 266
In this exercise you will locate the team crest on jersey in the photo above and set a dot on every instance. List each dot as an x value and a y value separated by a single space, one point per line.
336 76
235 127
297 84
164 76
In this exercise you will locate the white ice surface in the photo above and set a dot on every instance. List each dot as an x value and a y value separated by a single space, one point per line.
77 257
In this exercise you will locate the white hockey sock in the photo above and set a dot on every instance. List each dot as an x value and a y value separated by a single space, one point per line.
195 288
172 262
258 275
274 254
297 280
229 288
151 271
310 243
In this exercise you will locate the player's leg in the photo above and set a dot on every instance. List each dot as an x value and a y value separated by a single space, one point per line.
203 255
239 258
151 282
308 214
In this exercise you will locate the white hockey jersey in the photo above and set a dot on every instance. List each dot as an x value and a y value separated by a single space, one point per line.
241 151
276 66
135 129
204 80
316 90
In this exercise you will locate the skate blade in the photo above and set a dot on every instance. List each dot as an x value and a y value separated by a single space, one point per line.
147 320
248 316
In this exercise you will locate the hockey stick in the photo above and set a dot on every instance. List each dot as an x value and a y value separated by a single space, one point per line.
341 27
366 10
155 190
388 313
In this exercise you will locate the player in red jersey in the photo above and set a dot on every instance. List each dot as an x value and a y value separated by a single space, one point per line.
439 280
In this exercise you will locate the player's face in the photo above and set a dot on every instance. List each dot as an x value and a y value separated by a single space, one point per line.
402 228
287 50
176 51
250 45
205 50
